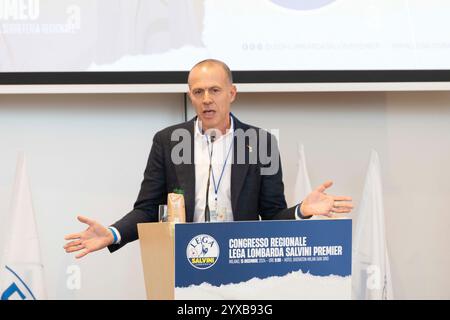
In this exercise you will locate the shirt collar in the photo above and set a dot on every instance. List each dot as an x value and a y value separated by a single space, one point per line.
198 133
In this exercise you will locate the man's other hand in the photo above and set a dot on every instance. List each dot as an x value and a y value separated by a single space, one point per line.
320 203
94 238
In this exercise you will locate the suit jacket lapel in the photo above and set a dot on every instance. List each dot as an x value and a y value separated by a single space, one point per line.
186 174
238 171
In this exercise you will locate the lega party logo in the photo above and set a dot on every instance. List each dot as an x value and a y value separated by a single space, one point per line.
202 251
302 4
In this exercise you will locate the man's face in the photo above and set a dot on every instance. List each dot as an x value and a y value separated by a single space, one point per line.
211 94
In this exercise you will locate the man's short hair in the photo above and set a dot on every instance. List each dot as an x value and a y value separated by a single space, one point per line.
218 62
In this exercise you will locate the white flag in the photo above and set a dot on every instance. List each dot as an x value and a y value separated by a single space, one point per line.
21 272
302 184
371 276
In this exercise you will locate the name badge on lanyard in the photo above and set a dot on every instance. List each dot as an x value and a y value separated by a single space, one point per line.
219 212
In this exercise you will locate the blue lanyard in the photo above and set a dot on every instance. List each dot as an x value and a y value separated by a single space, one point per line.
216 187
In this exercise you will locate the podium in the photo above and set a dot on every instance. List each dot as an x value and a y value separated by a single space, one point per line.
264 260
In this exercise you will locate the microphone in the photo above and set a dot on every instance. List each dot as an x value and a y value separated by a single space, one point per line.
212 137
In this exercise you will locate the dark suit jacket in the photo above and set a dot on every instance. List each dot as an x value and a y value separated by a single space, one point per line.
252 195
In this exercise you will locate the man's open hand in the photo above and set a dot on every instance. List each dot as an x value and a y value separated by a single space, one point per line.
320 203
94 238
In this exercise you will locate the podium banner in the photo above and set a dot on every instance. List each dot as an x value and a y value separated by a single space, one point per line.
309 259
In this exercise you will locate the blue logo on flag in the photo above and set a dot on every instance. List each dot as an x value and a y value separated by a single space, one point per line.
17 287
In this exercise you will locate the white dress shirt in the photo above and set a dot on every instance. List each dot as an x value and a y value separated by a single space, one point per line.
222 159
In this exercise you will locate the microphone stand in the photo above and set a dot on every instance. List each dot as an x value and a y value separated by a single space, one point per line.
207 213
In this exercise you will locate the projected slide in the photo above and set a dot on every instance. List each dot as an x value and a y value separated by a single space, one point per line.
163 35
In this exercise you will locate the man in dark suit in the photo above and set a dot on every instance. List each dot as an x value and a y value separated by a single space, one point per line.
245 170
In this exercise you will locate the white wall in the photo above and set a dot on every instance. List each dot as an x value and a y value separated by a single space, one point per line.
86 154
